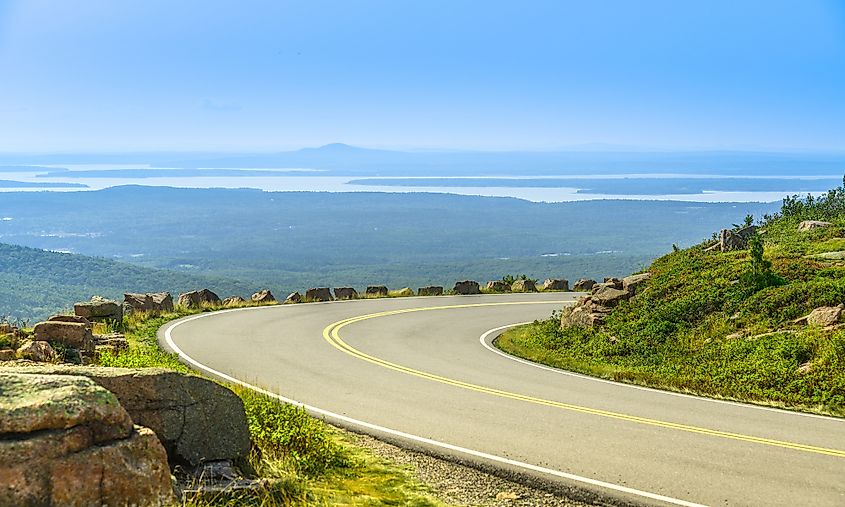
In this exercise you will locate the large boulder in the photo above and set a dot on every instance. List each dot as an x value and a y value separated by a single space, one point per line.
70 334
319 294
156 302
39 351
293 297
557 284
583 285
71 318
7 355
609 296
734 239
345 293
199 298
196 420
585 313
497 286
376 291
70 443
808 225
466 287
99 309
233 301
431 290
263 296
824 316
523 286
634 283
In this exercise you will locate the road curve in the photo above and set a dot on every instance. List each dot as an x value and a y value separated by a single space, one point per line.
421 371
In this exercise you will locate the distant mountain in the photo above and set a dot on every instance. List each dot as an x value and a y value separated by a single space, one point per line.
36 283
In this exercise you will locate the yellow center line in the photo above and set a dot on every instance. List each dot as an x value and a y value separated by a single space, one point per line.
332 334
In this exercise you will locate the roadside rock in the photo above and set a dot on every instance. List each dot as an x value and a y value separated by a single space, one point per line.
583 285
376 291
99 309
199 298
808 225
585 313
39 351
263 296
609 296
466 287
115 340
70 334
233 301
195 419
556 284
634 283
824 316
293 297
72 318
431 290
73 444
402 293
523 286
7 355
345 293
497 286
156 302
318 294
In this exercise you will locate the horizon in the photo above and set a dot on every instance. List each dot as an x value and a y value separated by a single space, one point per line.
151 77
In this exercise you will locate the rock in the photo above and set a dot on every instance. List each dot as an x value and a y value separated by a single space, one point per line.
808 225
198 299
609 296
431 290
402 293
345 293
195 419
99 309
318 294
69 334
497 286
828 256
6 328
263 296
585 313
71 318
7 355
39 351
805 368
583 285
115 340
466 287
823 317
730 239
293 297
612 282
376 291
634 283
73 444
506 495
37 402
523 286
157 302
556 284
234 301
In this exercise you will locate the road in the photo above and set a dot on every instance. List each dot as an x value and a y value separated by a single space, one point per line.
421 371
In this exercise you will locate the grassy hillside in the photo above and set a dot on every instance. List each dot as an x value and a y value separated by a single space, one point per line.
35 283
706 323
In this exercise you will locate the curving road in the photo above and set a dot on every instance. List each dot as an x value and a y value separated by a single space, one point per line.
422 371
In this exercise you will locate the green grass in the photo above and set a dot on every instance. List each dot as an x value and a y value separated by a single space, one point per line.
703 326
303 460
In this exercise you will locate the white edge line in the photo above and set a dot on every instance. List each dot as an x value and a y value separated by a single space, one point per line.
462 450
484 341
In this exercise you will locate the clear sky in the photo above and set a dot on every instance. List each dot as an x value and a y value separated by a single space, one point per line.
114 75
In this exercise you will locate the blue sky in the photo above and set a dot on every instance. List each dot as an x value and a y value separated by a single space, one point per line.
105 75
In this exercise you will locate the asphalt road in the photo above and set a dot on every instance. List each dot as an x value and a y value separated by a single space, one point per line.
417 370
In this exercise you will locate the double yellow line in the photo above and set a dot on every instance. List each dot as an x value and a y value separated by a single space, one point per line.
332 334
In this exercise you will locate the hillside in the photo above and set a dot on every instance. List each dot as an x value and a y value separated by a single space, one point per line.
720 324
35 283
